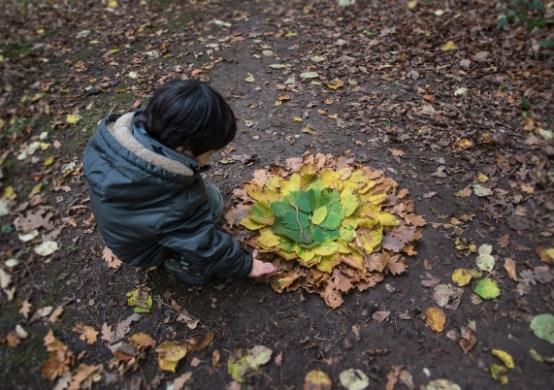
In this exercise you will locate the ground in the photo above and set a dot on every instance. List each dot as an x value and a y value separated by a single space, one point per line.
454 108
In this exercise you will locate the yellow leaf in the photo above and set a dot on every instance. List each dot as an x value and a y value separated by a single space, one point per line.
326 249
251 225
267 238
297 119
465 143
461 277
370 239
291 185
169 355
309 129
9 193
505 357
498 373
49 161
412 4
112 51
349 201
335 83
72 118
317 379
329 178
307 255
377 199
112 4
386 219
319 215
36 189
482 177
435 318
450 45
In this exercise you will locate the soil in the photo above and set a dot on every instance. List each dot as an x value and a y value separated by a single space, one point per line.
432 116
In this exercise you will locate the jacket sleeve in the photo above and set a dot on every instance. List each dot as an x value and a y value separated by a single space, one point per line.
190 231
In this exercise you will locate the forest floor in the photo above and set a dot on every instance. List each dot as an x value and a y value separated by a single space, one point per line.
455 109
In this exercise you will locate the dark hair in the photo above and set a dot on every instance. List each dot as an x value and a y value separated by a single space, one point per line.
190 114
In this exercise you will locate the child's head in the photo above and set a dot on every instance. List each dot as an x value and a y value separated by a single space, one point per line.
191 116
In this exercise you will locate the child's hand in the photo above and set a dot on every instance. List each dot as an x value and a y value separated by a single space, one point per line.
260 268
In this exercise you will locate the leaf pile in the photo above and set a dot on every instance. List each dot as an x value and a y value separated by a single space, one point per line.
334 225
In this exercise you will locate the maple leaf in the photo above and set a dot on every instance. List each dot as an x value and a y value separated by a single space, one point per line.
397 265
59 358
112 260
87 333
82 373
399 237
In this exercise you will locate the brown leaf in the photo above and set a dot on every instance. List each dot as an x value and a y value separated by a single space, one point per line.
87 333
377 262
332 298
510 267
396 152
198 343
55 314
467 341
82 373
380 316
397 265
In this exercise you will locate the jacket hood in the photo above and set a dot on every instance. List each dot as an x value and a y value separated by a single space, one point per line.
137 141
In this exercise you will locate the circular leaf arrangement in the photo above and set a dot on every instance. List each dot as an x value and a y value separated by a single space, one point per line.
333 224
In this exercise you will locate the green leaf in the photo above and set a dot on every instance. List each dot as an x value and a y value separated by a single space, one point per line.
487 289
543 327
499 373
243 362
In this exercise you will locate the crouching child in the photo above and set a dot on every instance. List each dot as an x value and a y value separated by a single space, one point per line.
149 200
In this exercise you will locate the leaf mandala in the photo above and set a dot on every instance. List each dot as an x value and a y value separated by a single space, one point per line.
325 219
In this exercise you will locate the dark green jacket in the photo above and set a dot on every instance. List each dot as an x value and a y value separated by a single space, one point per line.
149 202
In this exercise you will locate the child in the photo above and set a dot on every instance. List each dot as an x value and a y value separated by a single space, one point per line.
146 193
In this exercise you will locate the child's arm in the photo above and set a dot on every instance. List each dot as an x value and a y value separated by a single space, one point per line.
260 268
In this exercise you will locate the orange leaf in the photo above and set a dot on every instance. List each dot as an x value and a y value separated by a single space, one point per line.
435 318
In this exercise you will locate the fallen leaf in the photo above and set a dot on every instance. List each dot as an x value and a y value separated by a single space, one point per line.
450 45
542 326
510 268
485 261
46 248
317 380
505 357
354 379
380 316
140 300
169 354
481 191
435 318
487 289
442 384
242 362
461 277
468 340
499 373
87 333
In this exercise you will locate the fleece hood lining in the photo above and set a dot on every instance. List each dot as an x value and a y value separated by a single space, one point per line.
122 131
